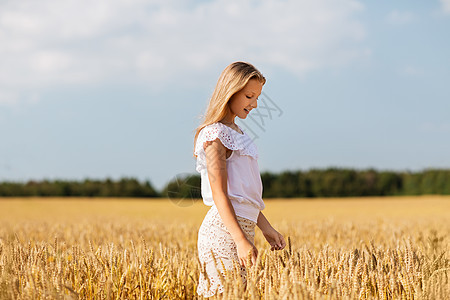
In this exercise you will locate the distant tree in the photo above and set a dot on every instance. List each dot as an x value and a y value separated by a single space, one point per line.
187 186
268 180
330 182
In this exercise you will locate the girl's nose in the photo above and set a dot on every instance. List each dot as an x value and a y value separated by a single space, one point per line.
255 104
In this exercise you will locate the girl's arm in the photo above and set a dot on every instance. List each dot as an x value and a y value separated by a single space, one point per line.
275 239
217 175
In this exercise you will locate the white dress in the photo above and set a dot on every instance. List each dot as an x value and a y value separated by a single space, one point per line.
214 236
216 247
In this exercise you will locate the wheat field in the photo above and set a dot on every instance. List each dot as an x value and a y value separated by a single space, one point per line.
352 248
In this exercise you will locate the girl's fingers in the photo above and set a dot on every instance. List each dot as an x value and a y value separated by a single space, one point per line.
280 241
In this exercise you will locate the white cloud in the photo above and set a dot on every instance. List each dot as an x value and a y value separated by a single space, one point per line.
8 98
47 43
411 71
445 6
400 17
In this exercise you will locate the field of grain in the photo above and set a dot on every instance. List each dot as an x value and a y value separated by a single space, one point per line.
352 248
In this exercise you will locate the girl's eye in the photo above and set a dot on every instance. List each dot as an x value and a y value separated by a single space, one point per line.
248 97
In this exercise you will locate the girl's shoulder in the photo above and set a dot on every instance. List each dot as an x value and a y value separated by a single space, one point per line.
218 126
212 126
233 139
229 137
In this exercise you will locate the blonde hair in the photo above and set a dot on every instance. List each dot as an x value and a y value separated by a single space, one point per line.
232 80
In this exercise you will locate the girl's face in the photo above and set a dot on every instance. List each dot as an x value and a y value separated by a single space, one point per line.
245 100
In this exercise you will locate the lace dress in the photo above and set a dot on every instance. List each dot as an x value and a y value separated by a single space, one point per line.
213 235
244 184
244 188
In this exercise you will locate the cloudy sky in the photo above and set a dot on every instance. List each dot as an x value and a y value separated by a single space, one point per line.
96 89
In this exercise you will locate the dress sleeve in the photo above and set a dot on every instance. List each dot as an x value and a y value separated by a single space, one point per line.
210 133
228 138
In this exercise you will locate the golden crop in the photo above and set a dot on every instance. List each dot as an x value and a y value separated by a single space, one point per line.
375 248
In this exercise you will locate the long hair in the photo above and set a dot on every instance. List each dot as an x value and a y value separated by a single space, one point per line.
232 80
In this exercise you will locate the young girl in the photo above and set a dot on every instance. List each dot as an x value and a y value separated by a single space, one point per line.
230 180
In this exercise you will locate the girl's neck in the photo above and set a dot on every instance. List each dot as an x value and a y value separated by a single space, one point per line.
227 120
227 123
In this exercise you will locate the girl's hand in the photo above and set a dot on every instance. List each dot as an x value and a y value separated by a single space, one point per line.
244 248
275 239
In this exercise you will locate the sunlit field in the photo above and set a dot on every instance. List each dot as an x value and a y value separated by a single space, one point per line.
350 248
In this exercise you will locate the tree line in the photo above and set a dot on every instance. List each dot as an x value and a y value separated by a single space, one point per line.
125 187
331 182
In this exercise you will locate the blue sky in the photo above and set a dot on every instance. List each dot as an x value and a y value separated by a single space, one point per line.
117 89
